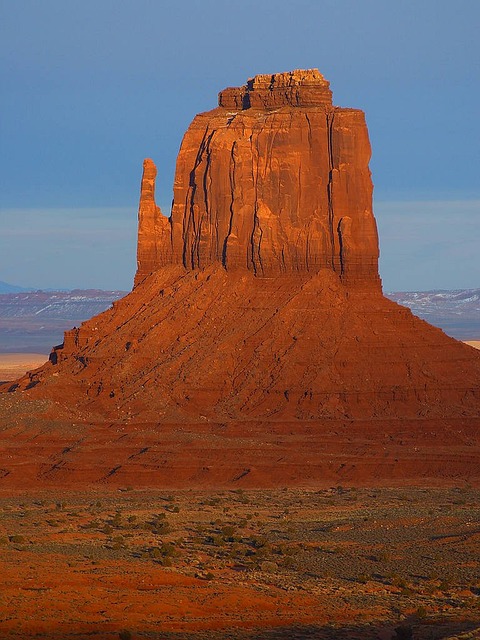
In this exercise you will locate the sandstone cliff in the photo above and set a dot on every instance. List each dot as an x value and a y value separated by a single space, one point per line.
274 180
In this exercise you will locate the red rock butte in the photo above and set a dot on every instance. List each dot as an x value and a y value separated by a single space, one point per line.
256 345
274 181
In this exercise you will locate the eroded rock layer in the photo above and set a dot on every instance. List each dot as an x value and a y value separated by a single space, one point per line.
275 180
213 345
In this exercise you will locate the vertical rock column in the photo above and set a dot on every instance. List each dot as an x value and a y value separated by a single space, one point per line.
350 193
154 244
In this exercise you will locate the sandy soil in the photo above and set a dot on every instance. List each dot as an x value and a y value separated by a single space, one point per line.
337 563
15 365
473 343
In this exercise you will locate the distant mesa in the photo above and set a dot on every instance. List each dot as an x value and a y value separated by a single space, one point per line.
257 309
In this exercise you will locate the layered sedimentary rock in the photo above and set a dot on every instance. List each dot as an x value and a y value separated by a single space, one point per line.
257 334
275 180
153 228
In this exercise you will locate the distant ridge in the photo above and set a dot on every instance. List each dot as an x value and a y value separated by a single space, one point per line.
5 287
34 321
457 312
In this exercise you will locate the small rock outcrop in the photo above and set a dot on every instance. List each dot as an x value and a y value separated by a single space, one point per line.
274 180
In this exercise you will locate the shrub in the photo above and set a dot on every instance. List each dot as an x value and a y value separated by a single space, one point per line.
17 539
269 566
117 543
228 531
162 554
160 527
168 549
288 562
117 519
173 509
217 540
445 585
53 523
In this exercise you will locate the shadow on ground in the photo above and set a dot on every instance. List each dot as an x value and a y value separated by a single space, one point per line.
408 629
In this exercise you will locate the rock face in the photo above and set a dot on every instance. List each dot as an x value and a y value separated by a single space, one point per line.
257 337
275 180
153 227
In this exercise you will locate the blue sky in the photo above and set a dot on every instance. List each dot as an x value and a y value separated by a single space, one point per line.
91 88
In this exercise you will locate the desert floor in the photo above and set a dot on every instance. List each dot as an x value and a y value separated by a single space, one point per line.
473 343
15 365
335 563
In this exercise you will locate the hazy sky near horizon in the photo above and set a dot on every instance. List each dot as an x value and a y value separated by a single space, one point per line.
89 89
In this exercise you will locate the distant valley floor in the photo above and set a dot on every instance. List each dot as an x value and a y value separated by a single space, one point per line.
456 312
33 322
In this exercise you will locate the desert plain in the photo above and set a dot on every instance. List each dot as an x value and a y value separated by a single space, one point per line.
15 365
288 563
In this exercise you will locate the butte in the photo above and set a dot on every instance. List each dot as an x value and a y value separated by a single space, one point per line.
256 348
